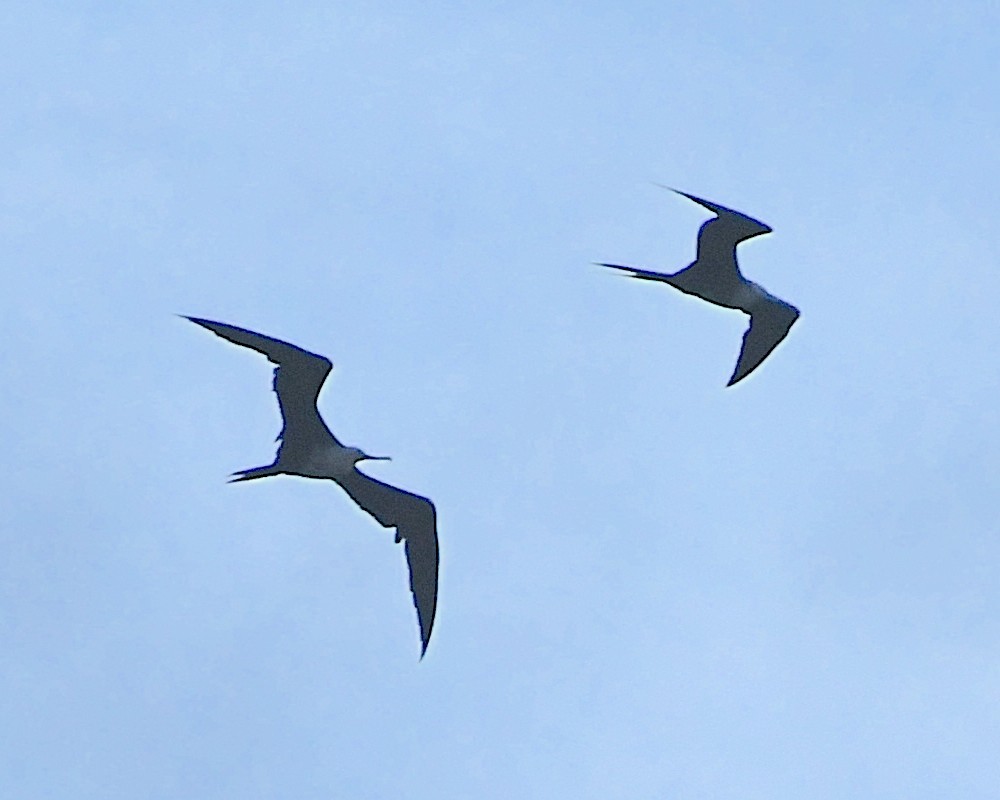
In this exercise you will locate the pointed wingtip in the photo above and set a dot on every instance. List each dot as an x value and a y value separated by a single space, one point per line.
715 208
425 636
668 188
204 323
628 272
679 191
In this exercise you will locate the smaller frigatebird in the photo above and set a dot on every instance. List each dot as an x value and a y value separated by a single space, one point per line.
715 276
309 449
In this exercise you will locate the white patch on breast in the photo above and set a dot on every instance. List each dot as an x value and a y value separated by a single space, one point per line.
749 294
330 461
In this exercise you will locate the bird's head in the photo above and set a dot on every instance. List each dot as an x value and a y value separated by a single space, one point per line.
356 454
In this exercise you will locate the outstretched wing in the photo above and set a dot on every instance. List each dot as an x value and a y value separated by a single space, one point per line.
297 379
715 270
769 324
415 521
717 240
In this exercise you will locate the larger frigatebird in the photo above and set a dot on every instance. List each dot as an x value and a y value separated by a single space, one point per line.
309 449
715 276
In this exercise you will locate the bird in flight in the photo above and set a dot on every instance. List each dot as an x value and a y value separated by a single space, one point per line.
308 448
715 276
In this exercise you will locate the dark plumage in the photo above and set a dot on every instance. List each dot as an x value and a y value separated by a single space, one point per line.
308 448
715 276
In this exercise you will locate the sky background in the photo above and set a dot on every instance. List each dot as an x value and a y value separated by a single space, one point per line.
651 586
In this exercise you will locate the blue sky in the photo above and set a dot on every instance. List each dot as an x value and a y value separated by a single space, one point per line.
651 586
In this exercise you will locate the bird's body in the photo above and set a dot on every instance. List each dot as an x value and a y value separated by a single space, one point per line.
714 276
332 461
308 449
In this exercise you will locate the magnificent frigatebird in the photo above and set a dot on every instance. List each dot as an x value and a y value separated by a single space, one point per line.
309 449
715 276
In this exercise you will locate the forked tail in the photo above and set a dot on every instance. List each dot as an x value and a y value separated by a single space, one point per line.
255 472
636 272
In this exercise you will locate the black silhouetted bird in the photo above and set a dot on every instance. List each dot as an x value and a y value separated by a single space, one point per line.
309 449
715 276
